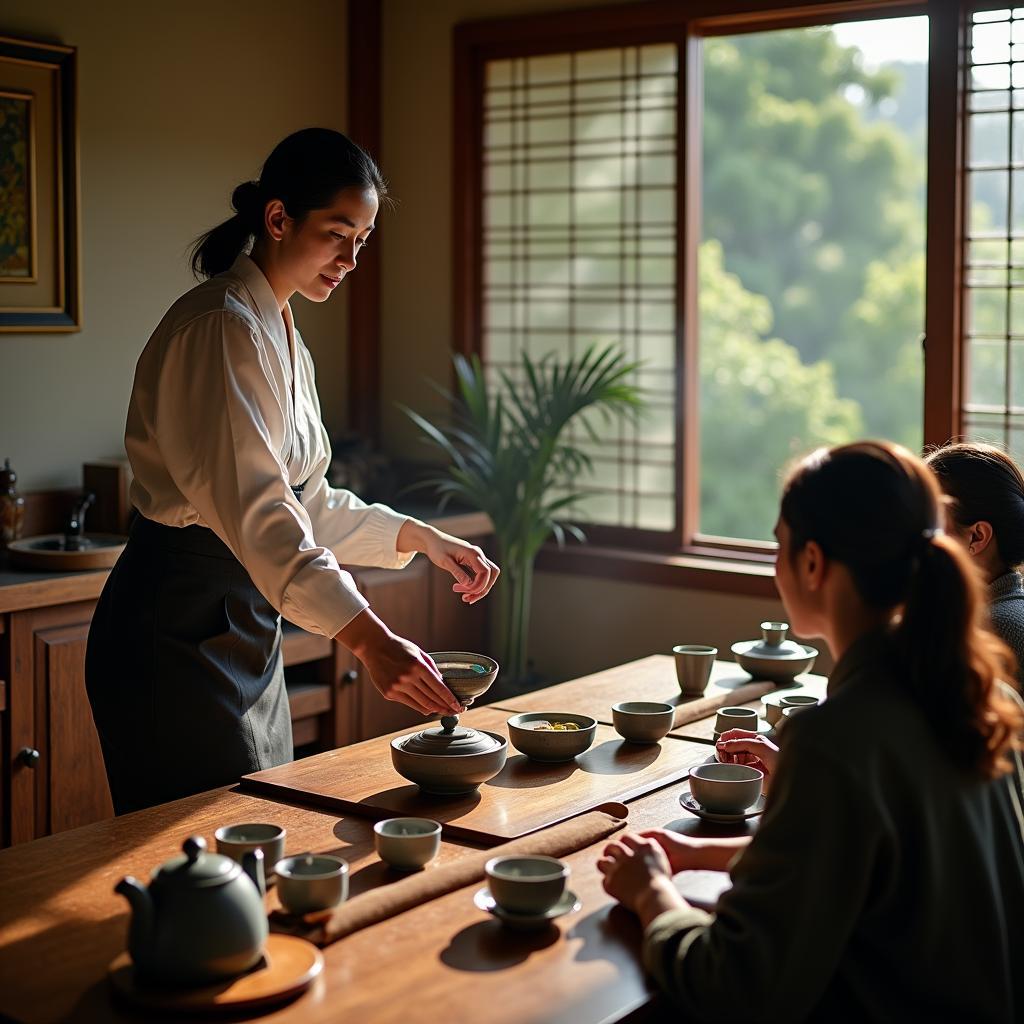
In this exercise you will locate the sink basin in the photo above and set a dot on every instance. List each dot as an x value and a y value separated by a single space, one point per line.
51 552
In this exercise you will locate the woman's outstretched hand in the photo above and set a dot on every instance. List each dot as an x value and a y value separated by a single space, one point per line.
473 571
398 668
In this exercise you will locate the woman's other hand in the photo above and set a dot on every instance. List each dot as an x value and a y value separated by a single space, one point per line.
473 571
690 853
398 668
738 746
637 873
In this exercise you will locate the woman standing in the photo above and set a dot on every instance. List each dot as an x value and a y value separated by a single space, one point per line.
237 525
886 880
987 516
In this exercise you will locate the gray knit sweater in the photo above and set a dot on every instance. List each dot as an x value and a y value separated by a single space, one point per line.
1006 594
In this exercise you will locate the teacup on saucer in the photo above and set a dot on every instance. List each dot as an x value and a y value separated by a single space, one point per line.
568 903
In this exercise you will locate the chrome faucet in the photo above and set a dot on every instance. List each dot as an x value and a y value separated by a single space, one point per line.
74 538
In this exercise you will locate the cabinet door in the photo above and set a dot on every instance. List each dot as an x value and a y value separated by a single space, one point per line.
56 774
401 599
76 783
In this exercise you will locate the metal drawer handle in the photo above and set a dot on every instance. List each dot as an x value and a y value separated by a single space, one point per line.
350 676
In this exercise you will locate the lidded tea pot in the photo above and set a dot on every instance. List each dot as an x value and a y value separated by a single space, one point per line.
200 920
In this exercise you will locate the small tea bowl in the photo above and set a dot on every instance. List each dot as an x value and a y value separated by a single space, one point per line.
551 747
526 885
407 844
642 721
726 788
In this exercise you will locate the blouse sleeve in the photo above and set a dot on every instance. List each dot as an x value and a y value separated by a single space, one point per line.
220 423
357 533
775 941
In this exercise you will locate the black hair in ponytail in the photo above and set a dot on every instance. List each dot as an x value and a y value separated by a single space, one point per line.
877 509
305 171
986 486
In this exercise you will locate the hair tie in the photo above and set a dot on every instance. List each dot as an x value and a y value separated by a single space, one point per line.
246 201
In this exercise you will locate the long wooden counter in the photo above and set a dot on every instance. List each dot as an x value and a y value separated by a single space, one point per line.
61 924
21 589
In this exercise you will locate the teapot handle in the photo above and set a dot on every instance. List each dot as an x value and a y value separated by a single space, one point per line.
252 864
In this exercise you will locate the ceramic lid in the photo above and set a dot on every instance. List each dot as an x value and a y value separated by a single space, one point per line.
196 867
773 643
458 742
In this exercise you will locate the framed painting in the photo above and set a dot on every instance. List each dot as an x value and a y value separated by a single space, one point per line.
40 276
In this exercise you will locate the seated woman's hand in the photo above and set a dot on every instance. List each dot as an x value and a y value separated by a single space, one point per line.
738 746
684 853
637 873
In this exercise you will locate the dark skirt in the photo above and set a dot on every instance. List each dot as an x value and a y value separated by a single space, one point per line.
183 669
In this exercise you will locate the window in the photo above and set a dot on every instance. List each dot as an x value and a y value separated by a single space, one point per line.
579 244
811 261
774 256
994 259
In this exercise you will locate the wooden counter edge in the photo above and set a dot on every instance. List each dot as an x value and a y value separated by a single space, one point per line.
86 586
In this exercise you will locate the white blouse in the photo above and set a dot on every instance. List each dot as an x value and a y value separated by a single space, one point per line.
223 418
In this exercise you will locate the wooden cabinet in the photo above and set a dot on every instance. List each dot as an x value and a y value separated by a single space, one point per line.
54 764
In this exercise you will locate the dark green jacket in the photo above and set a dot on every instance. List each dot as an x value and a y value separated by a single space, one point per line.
882 884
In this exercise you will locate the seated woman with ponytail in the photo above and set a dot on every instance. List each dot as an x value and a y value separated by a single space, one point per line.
986 515
886 880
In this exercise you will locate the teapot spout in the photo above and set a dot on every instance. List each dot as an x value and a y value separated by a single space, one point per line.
140 934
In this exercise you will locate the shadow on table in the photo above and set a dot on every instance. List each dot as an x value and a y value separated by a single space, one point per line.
691 825
522 773
617 757
489 946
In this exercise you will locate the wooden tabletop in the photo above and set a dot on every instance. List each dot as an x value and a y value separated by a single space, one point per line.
654 679
61 924
524 797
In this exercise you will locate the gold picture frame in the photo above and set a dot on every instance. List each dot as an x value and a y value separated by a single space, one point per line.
40 273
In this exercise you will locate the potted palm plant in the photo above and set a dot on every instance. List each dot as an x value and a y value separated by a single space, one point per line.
510 454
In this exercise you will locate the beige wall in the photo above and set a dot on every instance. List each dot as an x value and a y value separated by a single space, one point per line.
178 103
579 624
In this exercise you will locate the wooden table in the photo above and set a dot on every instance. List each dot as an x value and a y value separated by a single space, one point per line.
61 924
526 796
654 679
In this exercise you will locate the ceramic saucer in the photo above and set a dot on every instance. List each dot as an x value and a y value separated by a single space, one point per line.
568 904
686 799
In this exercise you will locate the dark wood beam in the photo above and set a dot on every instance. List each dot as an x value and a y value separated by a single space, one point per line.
364 117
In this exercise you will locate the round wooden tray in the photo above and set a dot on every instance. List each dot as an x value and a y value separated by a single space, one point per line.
289 966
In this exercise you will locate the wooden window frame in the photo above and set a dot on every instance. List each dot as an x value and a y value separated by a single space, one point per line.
683 556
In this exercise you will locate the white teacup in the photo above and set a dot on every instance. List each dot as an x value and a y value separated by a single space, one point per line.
526 885
407 844
736 718
311 882
726 788
235 841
